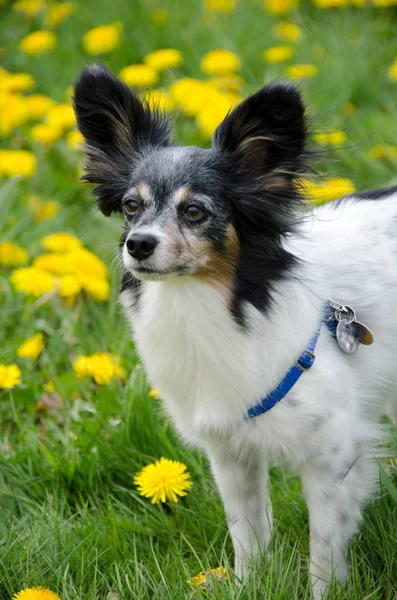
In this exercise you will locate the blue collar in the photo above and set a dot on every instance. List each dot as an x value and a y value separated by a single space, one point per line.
303 364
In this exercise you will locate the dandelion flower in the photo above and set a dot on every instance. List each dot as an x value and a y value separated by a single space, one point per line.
277 54
16 82
192 95
331 138
158 99
36 593
43 210
222 6
61 242
159 16
154 393
102 39
213 114
29 8
74 139
165 58
17 163
69 286
58 13
102 367
285 30
45 134
331 3
98 289
383 151
163 480
393 70
38 105
32 347
86 264
329 189
139 76
202 579
10 376
301 71
228 83
220 62
13 114
279 8
12 255
38 42
32 281
61 116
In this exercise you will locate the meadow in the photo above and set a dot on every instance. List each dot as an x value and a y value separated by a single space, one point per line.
78 419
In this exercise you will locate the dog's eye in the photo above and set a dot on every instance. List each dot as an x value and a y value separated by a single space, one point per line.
194 213
132 207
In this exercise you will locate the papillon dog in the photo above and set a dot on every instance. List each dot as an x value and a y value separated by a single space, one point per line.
226 273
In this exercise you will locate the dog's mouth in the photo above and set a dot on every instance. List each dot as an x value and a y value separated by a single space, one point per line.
148 274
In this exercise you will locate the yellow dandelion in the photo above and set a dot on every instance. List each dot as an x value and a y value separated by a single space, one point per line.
102 367
36 593
285 30
86 264
139 76
61 241
192 95
58 13
331 3
165 58
329 189
213 114
45 134
220 62
330 138
277 54
10 376
38 105
383 151
393 71
13 114
16 82
102 39
158 99
69 286
61 116
38 42
301 71
43 210
49 386
163 480
32 281
12 255
20 163
32 347
153 393
98 289
29 8
74 139
159 16
222 6
202 579
228 83
279 8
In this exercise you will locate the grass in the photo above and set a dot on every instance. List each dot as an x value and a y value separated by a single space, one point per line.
70 517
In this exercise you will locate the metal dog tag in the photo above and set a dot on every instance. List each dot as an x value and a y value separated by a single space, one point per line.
350 333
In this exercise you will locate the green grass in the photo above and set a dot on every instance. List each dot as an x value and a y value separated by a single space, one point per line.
70 517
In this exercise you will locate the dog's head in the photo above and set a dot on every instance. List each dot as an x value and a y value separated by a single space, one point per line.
212 213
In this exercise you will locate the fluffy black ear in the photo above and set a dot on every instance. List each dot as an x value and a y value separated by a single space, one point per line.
116 127
267 134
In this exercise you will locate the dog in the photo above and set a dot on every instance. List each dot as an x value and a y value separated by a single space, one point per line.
230 281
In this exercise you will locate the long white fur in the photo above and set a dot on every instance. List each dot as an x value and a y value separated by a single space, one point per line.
209 371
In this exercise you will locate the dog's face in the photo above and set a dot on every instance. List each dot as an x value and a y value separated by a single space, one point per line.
178 217
218 214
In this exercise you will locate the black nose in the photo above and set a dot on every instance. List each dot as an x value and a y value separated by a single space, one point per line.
142 245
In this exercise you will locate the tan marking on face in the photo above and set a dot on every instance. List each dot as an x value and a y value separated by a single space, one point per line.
144 192
182 194
219 270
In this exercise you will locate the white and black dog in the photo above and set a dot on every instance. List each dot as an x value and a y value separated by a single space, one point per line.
227 282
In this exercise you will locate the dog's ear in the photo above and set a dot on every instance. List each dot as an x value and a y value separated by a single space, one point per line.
117 127
267 134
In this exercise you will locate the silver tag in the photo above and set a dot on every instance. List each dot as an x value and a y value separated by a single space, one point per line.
350 332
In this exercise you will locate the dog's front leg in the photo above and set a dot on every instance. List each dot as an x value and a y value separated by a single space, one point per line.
334 494
243 483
